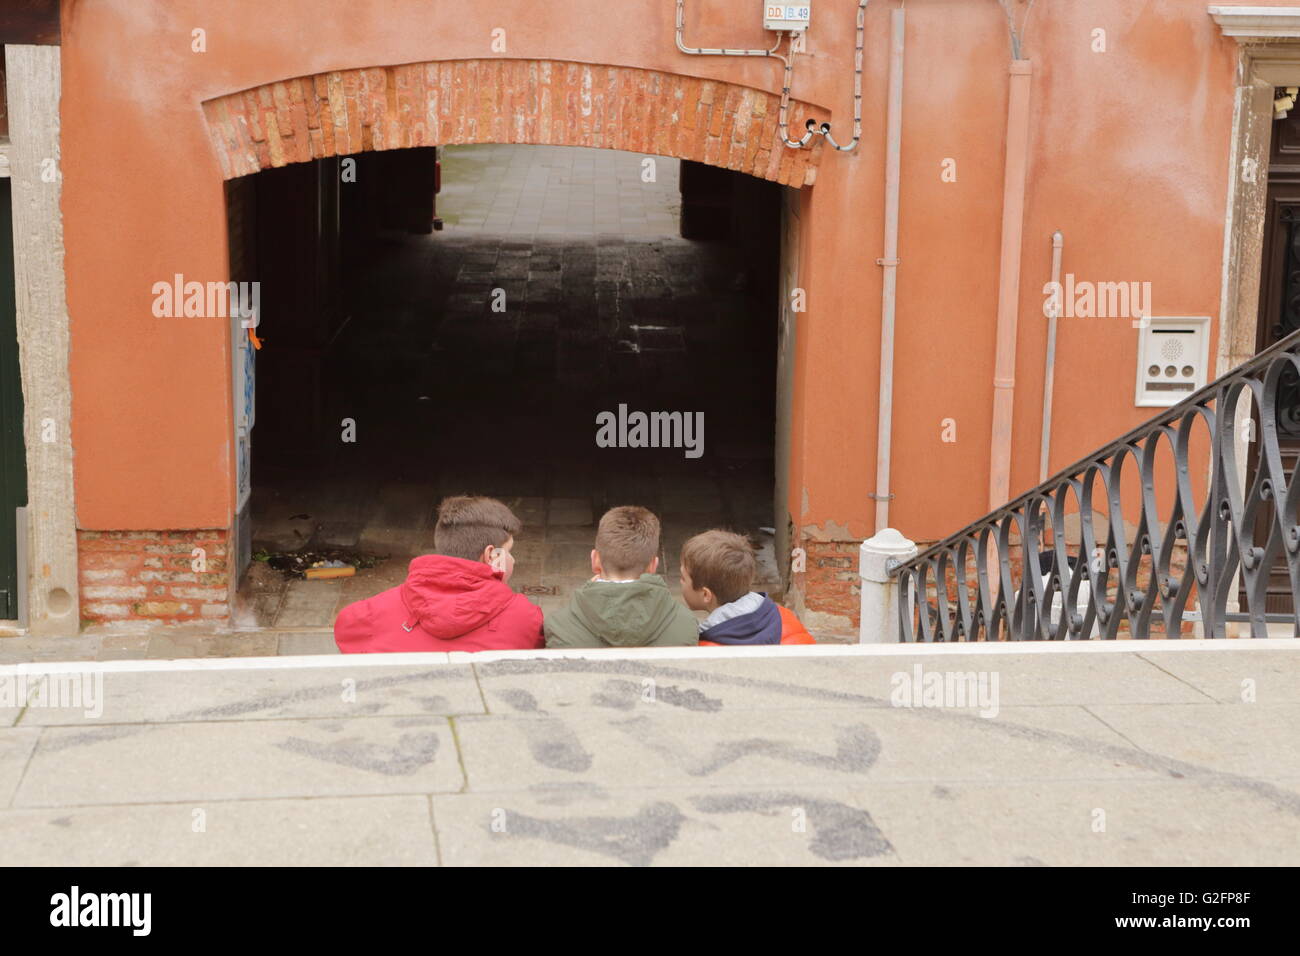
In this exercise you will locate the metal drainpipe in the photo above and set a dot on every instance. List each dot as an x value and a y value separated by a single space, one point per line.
1013 210
1049 376
889 263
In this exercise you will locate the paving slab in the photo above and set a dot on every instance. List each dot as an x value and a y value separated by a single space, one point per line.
131 697
13 697
353 831
1052 678
789 756
774 682
16 746
306 642
18 650
704 685
587 826
1219 737
1068 739
1231 676
310 603
1079 823
648 746
645 751
118 647
168 644
163 763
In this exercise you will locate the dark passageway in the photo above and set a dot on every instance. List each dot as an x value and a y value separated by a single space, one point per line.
476 359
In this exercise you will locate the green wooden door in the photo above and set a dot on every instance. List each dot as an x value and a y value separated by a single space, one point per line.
13 457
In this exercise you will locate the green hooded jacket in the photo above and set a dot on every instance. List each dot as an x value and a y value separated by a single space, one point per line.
637 613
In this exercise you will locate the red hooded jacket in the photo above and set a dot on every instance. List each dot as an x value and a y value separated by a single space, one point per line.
445 604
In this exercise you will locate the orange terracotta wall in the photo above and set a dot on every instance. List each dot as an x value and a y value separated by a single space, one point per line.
1129 159
143 192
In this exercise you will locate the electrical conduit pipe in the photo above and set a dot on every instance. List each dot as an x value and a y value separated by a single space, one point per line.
889 285
1049 373
1013 209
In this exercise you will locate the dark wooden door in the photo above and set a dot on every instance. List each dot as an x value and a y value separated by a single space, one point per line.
1279 316
13 456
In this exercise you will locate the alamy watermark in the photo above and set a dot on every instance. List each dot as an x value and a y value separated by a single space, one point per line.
221 300
920 688
73 690
624 429
130 910
1073 299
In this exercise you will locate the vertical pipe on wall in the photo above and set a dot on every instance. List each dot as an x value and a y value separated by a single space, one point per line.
1013 208
894 136
1049 375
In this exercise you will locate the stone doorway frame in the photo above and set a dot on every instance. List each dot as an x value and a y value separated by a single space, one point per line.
1268 41
50 582
1268 57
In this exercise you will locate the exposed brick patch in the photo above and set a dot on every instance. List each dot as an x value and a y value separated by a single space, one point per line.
508 101
150 576
831 583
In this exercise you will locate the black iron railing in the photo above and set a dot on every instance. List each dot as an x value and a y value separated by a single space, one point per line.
1212 534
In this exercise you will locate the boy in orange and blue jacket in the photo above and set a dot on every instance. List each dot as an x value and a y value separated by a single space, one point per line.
717 569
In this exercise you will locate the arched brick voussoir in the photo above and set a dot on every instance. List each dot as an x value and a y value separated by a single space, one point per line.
509 101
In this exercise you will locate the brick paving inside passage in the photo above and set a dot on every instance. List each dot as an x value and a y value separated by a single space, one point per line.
604 304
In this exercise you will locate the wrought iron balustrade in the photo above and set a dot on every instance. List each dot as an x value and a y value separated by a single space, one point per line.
1209 483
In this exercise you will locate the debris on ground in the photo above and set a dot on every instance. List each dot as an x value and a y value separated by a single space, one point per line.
330 569
328 563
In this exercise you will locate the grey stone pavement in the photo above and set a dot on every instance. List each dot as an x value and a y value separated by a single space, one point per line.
1096 755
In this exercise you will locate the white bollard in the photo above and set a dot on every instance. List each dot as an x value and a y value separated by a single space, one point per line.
879 588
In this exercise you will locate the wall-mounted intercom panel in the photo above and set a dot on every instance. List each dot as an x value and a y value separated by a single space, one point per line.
1173 358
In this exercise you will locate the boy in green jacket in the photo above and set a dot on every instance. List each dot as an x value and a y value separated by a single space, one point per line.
625 604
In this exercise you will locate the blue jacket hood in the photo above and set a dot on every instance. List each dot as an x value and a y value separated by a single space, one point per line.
758 627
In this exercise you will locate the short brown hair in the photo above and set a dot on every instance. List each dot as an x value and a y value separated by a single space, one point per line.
467 525
721 561
627 539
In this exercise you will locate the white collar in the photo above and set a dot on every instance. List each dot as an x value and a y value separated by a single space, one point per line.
746 604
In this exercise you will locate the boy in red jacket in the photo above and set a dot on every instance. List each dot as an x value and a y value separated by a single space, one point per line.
717 568
457 599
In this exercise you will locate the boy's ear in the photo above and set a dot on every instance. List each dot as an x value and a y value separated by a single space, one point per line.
595 563
654 565
499 559
486 556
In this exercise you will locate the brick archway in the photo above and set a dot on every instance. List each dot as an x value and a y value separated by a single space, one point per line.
553 102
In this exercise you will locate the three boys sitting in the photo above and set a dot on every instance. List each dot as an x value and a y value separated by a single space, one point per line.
459 598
